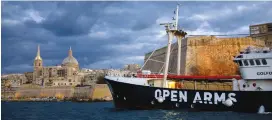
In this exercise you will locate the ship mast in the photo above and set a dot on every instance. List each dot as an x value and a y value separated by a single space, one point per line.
171 33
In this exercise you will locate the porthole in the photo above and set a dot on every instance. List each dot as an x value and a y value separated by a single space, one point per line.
254 84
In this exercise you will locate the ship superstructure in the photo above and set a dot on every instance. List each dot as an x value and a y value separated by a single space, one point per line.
255 65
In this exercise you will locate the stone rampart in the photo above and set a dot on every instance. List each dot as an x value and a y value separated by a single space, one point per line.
59 92
203 55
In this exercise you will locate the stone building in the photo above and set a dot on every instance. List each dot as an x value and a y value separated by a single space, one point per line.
121 73
132 67
13 80
29 77
262 33
65 74
91 76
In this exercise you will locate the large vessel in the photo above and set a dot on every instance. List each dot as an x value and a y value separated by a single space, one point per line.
250 92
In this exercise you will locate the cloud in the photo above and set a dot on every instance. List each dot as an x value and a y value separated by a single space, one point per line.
111 33
116 62
23 68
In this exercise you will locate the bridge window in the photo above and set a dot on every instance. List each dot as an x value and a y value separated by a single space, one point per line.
245 62
240 62
258 62
240 56
251 62
264 62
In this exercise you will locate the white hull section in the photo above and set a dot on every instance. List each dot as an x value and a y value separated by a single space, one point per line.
252 85
256 73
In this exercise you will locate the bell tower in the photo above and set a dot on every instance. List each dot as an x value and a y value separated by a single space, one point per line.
37 66
38 60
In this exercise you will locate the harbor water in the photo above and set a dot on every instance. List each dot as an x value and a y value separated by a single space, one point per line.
106 111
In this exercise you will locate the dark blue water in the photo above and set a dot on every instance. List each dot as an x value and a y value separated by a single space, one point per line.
106 111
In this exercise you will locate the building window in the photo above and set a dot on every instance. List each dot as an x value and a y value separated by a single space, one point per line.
240 63
245 62
269 27
64 83
70 80
258 62
264 62
251 62
60 73
54 83
70 83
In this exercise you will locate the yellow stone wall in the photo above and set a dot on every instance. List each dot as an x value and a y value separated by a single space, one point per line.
210 55
101 91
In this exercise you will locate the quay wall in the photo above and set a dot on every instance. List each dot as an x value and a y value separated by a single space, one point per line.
59 92
101 91
97 91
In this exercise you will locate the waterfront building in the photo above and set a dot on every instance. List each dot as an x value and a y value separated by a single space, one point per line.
132 67
262 33
65 74
13 80
120 73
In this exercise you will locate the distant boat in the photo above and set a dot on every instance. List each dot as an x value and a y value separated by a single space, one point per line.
251 92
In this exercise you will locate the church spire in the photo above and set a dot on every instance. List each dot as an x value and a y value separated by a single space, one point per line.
38 56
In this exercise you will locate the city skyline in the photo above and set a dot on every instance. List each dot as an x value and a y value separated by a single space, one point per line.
111 34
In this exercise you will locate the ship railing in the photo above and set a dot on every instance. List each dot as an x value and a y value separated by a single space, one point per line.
191 77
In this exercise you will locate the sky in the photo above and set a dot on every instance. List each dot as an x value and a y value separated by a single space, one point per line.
110 34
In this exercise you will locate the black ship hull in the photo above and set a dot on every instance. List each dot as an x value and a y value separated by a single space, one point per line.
130 96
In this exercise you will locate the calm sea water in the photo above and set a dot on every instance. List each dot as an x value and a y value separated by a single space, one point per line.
106 111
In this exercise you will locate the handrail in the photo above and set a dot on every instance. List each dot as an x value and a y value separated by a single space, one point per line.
172 76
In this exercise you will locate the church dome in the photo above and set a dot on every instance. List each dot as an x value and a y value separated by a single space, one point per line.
70 60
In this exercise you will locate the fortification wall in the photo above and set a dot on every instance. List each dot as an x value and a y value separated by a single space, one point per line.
59 92
160 56
203 55
101 91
